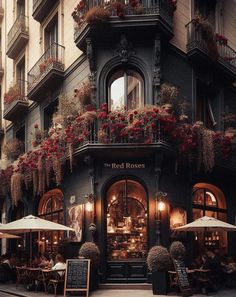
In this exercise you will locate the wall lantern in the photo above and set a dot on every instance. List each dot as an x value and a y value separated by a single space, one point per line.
160 207
89 204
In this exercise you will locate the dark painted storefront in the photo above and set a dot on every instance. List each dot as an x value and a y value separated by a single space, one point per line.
125 182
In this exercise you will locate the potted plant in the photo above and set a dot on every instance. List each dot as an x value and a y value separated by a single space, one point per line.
90 250
13 148
83 93
168 94
229 120
177 250
159 262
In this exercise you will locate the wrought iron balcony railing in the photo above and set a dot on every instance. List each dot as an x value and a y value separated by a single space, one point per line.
95 136
159 10
17 37
51 60
196 40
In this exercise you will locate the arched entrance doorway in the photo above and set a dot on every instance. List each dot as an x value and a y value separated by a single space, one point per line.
208 200
51 208
126 222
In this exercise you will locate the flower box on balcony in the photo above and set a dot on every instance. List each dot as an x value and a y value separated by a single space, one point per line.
14 93
15 103
50 62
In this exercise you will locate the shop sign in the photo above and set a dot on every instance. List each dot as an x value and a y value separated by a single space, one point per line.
125 165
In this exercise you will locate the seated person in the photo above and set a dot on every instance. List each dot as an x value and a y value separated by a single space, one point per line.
44 261
229 266
6 272
60 264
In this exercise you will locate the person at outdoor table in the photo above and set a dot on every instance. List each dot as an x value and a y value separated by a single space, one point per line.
60 263
45 261
216 270
6 272
36 261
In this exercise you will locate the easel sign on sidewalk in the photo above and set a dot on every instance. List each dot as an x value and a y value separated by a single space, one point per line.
77 276
182 277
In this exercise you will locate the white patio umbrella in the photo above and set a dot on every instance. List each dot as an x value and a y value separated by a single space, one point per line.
207 224
7 235
31 224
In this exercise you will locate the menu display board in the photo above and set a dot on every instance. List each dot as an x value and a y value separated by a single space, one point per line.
77 275
182 276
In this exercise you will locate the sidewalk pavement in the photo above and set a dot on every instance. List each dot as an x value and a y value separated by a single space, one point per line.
7 290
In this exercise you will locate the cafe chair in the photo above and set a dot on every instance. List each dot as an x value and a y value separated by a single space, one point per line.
56 278
21 276
173 279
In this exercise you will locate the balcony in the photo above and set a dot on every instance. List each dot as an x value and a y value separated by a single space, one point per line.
220 54
41 9
1 11
47 73
15 102
17 37
112 143
148 18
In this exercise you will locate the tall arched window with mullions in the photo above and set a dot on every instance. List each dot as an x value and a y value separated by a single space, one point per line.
125 88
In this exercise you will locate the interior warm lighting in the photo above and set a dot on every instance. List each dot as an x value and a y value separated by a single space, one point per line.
89 206
161 206
213 199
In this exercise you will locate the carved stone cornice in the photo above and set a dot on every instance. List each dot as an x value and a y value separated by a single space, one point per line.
124 49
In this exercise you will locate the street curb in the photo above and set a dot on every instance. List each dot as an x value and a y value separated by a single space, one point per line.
12 293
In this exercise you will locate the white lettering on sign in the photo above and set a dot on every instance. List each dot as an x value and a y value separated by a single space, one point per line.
124 165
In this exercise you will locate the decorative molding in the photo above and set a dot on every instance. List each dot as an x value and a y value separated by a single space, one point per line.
124 49
92 67
90 55
157 68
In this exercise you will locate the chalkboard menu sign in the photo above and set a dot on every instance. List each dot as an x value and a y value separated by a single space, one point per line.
77 275
182 276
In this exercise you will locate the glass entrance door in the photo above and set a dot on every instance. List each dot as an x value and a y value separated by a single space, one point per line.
127 243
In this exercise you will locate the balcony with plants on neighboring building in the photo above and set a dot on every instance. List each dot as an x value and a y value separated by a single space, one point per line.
15 102
203 42
92 17
17 37
1 11
41 8
47 72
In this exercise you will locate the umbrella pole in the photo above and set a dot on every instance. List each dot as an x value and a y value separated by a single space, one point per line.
30 248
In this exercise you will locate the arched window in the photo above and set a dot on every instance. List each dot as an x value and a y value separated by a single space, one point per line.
209 201
126 221
51 208
125 88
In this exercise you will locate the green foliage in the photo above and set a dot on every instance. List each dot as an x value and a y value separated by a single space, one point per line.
158 259
177 250
89 250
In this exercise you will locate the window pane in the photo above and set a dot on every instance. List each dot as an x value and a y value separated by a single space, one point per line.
210 199
117 93
134 93
198 196
126 221
126 88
